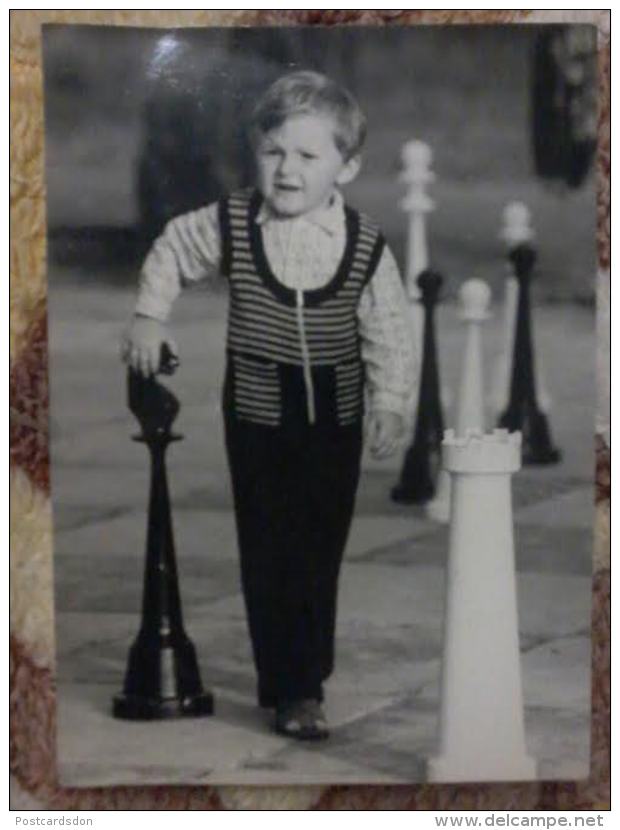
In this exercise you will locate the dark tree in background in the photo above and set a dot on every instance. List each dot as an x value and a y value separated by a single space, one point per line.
564 125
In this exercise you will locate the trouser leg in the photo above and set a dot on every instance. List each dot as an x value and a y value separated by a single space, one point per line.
294 498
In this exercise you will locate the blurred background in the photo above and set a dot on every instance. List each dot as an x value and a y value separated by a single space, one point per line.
143 124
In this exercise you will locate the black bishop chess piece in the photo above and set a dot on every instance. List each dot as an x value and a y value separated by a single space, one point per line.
162 678
523 412
420 470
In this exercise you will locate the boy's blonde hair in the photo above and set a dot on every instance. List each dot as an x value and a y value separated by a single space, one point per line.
300 93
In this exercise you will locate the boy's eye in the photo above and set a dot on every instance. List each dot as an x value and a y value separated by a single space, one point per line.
308 156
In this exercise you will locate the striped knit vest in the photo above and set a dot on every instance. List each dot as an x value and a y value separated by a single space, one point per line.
293 356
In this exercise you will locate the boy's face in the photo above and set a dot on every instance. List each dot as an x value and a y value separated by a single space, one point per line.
299 164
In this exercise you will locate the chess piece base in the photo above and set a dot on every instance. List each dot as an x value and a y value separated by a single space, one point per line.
540 457
469 768
131 707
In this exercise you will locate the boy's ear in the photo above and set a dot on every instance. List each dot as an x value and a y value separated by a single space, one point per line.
350 170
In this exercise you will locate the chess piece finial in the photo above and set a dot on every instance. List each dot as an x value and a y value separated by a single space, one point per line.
516 224
475 297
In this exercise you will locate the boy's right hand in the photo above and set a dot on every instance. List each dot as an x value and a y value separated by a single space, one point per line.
142 342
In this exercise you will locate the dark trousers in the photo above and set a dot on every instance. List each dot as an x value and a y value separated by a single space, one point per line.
294 493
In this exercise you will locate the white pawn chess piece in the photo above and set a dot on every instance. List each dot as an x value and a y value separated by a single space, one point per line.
475 297
481 727
516 230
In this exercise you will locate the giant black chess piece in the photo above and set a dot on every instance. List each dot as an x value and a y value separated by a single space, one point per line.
523 412
418 477
162 678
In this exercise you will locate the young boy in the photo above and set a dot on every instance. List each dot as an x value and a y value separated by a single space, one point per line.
317 317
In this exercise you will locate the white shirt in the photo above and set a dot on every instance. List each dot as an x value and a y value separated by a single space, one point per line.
304 253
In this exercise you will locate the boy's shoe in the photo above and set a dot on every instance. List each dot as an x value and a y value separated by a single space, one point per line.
301 719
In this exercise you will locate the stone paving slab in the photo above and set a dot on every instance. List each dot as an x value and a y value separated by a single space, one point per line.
553 605
574 509
179 751
207 534
537 550
559 740
554 674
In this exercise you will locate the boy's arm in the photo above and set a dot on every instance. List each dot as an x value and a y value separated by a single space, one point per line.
188 251
388 348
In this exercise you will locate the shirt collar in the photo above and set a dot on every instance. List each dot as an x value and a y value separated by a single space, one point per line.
325 217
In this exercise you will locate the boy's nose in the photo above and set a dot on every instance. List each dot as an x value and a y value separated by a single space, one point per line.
286 166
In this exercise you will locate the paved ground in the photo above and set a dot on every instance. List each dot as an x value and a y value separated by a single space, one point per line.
383 698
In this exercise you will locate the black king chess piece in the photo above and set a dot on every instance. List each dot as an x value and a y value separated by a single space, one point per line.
162 678
523 412
418 476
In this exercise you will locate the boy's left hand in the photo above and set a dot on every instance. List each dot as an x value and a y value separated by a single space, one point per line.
385 429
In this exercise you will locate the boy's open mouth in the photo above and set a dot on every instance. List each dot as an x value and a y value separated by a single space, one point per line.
287 188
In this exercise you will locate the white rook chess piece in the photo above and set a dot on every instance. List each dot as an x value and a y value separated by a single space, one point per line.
516 230
475 297
481 730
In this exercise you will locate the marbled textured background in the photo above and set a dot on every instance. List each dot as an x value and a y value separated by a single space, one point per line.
32 646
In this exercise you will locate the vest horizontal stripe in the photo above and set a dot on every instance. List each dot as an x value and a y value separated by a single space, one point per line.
327 310
240 238
289 356
240 233
262 309
266 312
246 276
250 404
350 399
340 303
317 346
347 385
260 366
335 337
253 395
366 241
258 419
268 403
239 226
249 398
290 327
349 410
250 384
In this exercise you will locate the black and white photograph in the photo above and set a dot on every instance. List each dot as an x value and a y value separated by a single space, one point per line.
322 349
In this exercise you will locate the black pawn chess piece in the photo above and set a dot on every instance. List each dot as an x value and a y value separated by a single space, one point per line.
418 477
523 412
162 678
